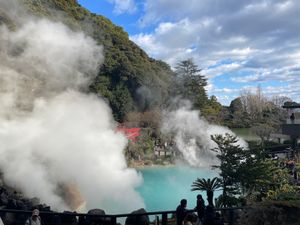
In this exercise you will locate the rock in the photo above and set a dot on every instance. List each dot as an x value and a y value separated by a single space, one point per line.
148 163
96 220
3 198
34 202
137 220
96 212
20 204
166 163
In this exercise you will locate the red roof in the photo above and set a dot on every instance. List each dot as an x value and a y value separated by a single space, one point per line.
130 133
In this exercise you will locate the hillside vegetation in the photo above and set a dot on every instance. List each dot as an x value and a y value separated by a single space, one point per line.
128 78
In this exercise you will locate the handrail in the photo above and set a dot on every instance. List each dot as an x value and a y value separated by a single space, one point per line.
109 215
113 217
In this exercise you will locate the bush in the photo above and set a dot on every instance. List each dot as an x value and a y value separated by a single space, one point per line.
270 213
287 142
158 161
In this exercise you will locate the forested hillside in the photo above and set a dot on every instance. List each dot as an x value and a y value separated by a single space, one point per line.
134 84
128 79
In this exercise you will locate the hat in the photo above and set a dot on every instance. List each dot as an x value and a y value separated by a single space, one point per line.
35 212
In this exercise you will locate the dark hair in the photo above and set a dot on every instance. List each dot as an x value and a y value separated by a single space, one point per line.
199 196
183 202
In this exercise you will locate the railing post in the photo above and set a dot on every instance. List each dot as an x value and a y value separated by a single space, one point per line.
231 217
113 220
164 219
156 220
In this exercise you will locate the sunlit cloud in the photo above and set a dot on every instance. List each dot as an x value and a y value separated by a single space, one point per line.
261 46
123 6
221 69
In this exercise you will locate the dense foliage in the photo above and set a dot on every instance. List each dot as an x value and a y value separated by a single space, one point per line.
138 87
189 83
247 173
256 110
128 78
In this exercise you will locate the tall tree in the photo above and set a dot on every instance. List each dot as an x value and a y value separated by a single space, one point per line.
239 117
189 83
230 155
188 69
241 169
236 105
280 100
212 109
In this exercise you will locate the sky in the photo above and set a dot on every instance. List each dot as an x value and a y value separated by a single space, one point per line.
238 44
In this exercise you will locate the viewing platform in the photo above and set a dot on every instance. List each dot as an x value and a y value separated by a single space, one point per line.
291 127
18 217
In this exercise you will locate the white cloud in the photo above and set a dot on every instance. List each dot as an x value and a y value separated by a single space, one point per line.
123 6
209 87
221 69
174 41
264 35
227 90
237 53
246 79
285 5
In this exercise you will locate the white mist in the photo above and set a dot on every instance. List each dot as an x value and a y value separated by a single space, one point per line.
52 133
192 135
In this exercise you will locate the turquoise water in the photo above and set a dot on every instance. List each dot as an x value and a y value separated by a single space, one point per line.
164 187
246 134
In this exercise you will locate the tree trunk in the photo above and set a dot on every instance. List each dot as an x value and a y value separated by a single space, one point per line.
210 197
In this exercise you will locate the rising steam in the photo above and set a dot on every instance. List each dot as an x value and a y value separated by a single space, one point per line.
192 134
53 136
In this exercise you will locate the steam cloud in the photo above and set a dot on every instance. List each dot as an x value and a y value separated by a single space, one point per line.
53 134
192 135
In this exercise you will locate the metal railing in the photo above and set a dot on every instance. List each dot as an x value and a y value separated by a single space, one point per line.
295 121
18 217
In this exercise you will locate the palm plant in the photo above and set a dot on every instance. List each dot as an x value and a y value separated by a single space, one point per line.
207 185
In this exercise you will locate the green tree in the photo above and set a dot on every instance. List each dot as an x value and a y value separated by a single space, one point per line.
243 171
188 69
239 116
142 148
263 131
236 105
212 109
189 83
207 185
102 86
126 67
230 155
121 102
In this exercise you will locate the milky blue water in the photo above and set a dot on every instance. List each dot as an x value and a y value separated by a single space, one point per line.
164 187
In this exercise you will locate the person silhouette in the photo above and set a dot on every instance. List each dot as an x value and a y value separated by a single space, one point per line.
181 212
35 218
200 207
292 117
